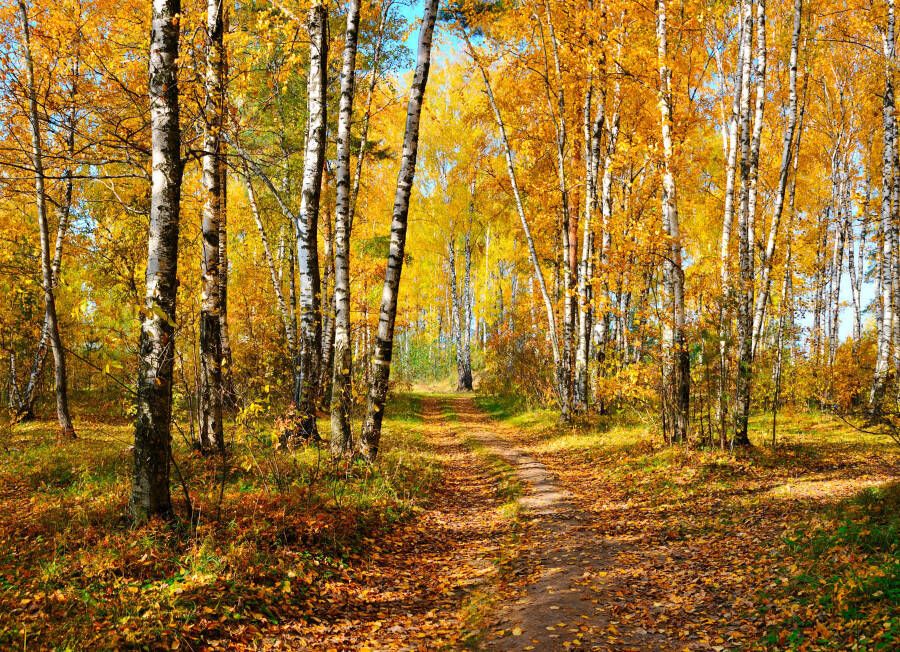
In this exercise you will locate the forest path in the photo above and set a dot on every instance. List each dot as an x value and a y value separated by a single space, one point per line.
566 601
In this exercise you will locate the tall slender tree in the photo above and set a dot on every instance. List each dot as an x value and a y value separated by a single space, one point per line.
212 268
152 437
537 271
886 226
751 130
307 224
678 373
51 320
384 341
341 399
786 154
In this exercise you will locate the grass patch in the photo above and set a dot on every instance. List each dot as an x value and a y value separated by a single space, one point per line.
266 542
507 485
849 567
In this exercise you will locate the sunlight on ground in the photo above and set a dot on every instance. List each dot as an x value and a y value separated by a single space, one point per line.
825 489
801 542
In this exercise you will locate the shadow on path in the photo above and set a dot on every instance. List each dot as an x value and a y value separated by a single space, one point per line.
565 604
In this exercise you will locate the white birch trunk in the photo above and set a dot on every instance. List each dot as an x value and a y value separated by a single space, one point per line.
883 354
384 344
307 223
341 399
787 149
677 359
211 434
749 166
152 440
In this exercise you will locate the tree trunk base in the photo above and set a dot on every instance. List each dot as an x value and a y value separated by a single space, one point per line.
24 415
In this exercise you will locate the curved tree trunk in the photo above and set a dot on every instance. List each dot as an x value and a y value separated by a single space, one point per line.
47 280
787 149
22 402
289 334
537 272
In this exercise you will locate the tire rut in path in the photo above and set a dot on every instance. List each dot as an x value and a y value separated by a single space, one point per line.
558 609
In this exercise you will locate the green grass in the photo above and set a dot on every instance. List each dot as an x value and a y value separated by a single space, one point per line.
851 567
258 544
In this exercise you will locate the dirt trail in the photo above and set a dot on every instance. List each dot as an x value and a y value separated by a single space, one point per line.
566 601
412 588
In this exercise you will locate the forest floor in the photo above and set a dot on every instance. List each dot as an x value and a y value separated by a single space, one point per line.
481 527
639 546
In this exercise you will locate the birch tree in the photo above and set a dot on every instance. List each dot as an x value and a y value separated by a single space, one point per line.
384 340
341 401
290 335
678 374
152 439
537 271
211 301
459 305
569 275
22 401
886 263
307 226
51 320
750 144
787 149
741 91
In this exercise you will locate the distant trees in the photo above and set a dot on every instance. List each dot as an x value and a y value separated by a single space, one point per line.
460 308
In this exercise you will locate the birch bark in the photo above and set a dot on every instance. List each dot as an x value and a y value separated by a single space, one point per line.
23 402
341 388
384 341
152 439
883 353
47 281
307 223
787 150
741 90
749 173
678 374
211 434
289 334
